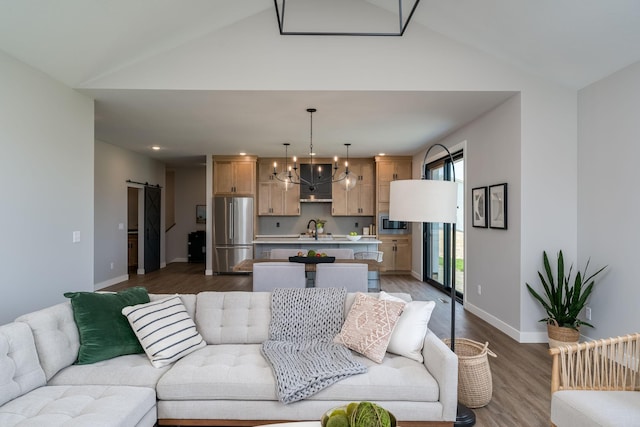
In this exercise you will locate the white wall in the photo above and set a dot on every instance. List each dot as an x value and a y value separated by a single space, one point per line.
113 167
46 190
190 190
608 203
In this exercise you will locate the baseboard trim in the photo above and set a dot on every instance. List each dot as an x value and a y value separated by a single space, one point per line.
179 260
521 337
208 272
110 282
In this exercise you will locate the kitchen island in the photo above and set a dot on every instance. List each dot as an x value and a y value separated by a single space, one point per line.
263 244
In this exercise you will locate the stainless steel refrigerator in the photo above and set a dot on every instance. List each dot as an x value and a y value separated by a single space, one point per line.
232 232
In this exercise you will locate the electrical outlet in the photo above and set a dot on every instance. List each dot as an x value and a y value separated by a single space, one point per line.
277 224
587 313
356 225
111 266
479 290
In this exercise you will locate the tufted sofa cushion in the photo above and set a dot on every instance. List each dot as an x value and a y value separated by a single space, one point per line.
239 372
56 336
57 406
233 317
20 371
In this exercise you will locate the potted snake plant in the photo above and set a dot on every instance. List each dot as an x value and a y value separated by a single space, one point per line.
563 300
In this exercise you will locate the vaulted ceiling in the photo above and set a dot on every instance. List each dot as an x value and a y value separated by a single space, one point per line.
78 42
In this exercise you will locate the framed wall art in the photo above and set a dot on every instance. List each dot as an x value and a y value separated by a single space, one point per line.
201 214
498 206
479 207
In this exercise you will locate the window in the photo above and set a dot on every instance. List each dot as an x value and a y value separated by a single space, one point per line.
438 240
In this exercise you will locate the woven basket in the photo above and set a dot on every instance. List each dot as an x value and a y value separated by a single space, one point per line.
475 385
560 335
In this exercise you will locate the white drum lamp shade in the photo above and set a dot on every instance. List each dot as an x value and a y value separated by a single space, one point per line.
423 200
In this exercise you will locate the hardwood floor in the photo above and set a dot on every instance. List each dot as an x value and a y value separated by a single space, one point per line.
521 372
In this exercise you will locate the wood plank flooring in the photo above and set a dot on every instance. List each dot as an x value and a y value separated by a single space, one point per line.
521 372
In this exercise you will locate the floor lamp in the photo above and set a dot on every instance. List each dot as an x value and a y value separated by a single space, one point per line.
425 200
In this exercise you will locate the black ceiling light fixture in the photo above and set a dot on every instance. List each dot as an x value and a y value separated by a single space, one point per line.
344 17
290 173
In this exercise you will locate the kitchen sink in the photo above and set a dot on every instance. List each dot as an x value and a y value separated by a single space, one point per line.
323 237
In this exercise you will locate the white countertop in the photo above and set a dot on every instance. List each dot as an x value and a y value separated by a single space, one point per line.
294 239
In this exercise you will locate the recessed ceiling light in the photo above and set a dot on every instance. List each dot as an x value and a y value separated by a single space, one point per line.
242 153
155 147
382 154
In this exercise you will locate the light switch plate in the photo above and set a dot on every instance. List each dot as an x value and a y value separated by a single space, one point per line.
76 237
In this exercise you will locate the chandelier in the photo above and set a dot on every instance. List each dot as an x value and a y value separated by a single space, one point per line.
290 174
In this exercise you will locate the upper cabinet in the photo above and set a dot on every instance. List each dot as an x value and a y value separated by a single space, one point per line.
273 198
234 175
390 169
360 200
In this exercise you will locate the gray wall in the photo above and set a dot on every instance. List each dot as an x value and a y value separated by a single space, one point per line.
190 190
113 167
46 181
608 202
492 257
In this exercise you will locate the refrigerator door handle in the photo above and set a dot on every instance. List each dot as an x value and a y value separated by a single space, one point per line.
231 221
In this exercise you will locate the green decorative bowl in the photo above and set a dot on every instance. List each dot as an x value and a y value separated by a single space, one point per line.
343 416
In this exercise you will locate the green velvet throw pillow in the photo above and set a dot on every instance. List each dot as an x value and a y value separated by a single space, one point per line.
104 332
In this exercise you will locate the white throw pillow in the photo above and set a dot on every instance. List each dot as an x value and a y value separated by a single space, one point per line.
165 330
407 338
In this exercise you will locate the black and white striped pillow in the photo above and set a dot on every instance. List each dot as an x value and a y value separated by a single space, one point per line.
165 330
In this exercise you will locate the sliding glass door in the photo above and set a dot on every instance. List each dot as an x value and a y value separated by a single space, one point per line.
438 239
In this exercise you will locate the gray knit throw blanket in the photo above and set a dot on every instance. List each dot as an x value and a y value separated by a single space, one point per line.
300 348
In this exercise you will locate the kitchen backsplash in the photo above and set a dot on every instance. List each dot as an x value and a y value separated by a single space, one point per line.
298 224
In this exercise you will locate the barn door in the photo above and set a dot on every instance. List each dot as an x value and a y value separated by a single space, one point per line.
151 229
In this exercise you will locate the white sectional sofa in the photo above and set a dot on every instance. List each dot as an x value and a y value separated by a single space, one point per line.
226 382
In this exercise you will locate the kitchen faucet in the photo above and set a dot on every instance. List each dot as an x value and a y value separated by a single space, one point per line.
315 228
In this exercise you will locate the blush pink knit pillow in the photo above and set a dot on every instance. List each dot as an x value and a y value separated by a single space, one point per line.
369 325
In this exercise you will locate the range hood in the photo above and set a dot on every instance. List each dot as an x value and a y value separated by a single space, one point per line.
319 192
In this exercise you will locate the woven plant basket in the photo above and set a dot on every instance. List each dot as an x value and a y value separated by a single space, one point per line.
560 335
475 385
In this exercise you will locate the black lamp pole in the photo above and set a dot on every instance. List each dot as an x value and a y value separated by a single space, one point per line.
465 416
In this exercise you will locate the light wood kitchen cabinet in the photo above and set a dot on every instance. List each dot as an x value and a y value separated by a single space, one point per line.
360 200
390 169
234 175
397 253
273 199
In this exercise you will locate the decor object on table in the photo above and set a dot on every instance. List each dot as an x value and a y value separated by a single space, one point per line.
563 301
322 18
104 332
353 237
498 206
312 259
290 174
479 207
426 200
475 384
358 414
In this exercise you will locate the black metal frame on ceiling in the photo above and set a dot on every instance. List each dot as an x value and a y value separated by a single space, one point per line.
280 13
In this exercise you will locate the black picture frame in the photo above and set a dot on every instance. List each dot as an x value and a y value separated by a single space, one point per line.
479 207
498 206
201 214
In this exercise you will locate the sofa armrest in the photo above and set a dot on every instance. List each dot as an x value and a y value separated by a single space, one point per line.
442 363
